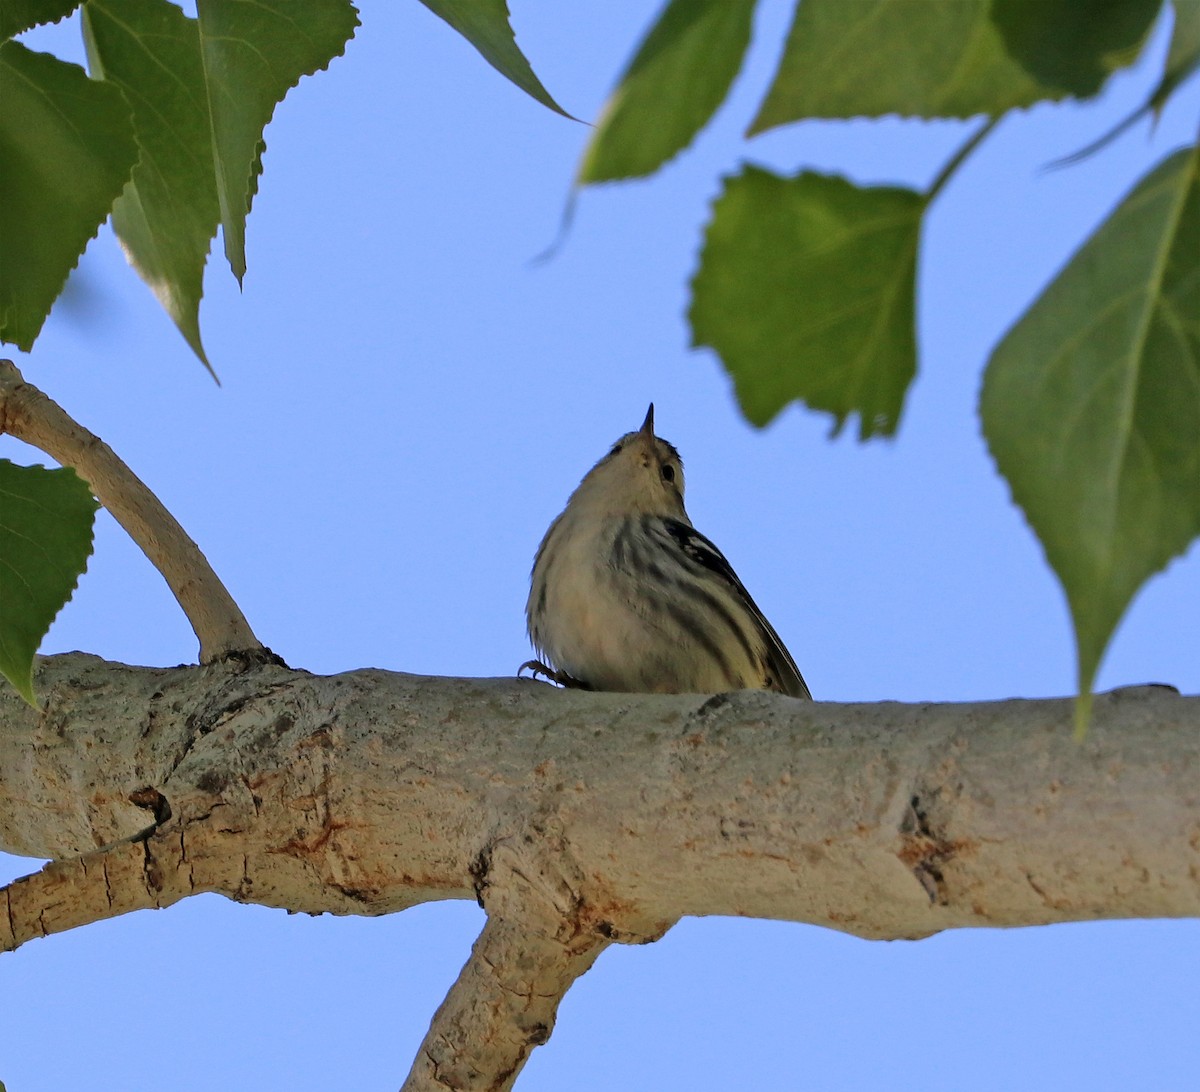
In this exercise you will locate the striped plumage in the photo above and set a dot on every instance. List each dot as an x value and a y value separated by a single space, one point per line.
626 595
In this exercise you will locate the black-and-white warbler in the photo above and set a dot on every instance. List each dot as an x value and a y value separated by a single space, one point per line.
626 595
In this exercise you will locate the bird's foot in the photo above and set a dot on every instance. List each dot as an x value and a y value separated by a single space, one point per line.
536 668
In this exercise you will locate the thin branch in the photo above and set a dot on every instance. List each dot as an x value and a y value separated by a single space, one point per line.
502 1005
80 890
30 415
544 929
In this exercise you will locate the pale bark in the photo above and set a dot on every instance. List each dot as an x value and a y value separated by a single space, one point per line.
579 819
30 415
505 1000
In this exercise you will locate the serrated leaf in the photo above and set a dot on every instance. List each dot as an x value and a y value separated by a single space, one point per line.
806 291
917 58
67 146
199 166
679 76
168 213
1091 404
46 521
485 24
1072 46
253 53
17 16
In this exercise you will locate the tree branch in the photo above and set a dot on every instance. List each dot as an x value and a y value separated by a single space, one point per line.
32 416
502 1006
80 890
578 819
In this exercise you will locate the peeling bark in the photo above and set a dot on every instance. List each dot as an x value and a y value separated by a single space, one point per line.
581 819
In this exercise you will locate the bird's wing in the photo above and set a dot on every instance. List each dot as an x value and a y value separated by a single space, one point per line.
703 552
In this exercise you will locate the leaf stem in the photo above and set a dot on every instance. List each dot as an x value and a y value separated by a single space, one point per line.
955 161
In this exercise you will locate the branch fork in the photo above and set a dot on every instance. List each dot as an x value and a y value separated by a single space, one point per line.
583 819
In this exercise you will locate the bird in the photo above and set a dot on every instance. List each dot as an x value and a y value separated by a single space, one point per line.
626 595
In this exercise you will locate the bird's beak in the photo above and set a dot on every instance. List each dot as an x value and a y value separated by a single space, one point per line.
647 428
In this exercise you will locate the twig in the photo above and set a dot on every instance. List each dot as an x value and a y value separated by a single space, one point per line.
29 415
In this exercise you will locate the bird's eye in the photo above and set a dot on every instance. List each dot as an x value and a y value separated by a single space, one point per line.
616 448
668 473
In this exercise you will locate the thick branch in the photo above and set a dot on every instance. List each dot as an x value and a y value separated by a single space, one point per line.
579 819
30 415
371 791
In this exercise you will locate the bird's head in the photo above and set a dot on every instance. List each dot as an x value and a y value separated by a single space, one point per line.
641 474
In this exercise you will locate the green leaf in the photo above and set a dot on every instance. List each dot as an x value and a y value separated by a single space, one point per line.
1183 55
202 93
17 16
1072 46
66 143
1091 404
805 289
1183 58
46 521
484 23
679 76
254 52
169 212
922 58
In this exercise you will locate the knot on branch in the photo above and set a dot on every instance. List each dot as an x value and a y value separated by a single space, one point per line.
925 848
150 799
532 876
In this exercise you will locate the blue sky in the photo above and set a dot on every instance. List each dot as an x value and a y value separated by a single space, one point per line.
408 400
